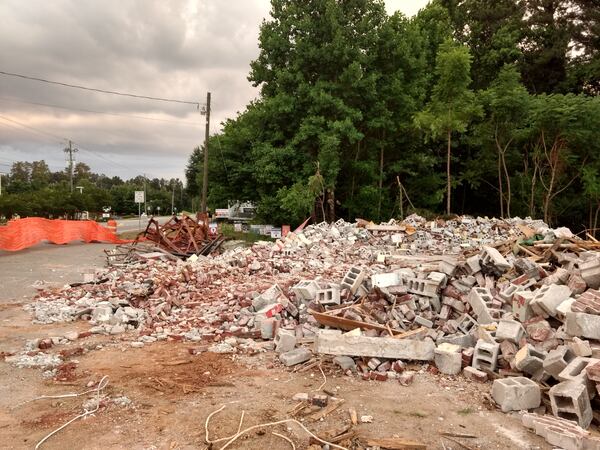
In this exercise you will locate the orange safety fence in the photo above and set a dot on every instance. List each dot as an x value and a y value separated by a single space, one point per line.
24 233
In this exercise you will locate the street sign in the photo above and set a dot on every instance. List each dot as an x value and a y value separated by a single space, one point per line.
139 196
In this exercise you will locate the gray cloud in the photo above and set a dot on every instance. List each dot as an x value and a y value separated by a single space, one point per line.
177 49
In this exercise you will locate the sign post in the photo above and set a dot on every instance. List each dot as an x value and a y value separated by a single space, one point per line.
139 198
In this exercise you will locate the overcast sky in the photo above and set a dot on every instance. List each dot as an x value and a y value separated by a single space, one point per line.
174 49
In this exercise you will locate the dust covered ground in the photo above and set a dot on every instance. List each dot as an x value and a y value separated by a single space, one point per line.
160 396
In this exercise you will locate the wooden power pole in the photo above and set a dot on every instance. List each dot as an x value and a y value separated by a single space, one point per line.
69 154
205 175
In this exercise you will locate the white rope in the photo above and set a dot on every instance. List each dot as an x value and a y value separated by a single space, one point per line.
101 385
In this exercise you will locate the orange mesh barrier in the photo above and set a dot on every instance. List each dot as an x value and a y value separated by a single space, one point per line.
24 233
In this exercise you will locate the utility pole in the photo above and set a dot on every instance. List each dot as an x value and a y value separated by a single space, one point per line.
1 173
69 155
145 197
205 176
173 199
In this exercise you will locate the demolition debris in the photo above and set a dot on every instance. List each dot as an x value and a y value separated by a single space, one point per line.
510 300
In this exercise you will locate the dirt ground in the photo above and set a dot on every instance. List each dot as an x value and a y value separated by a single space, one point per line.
174 386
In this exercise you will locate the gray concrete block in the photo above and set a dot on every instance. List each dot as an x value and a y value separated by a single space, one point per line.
305 289
576 371
509 330
557 360
345 363
516 393
285 341
296 356
353 279
547 299
485 355
530 361
583 325
590 272
448 359
481 300
570 400
377 347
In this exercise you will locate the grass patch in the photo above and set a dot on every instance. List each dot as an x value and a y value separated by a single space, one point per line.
418 414
228 231
465 411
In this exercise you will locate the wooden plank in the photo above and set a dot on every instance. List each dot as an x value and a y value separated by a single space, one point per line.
395 444
327 410
347 324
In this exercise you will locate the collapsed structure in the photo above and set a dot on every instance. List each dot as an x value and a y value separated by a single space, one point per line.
511 300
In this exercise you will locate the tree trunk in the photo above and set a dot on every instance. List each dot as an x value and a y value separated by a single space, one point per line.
508 188
331 205
380 183
449 181
500 187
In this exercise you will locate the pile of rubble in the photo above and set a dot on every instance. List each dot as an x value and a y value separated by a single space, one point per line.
511 300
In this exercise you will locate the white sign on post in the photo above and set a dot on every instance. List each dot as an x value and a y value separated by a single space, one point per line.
139 196
139 199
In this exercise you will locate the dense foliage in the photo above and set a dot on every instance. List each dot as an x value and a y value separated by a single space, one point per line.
472 106
31 189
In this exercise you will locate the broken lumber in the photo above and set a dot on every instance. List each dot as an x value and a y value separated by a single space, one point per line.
395 444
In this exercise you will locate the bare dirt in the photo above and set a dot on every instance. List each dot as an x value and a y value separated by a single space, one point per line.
174 386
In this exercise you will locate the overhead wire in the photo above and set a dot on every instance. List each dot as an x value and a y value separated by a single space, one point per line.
32 128
133 116
104 91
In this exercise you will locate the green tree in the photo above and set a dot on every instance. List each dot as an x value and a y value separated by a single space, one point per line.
508 104
452 105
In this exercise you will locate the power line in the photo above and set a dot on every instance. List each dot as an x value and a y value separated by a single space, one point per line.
99 112
85 88
37 130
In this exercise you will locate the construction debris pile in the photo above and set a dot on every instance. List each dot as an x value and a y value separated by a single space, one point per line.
511 300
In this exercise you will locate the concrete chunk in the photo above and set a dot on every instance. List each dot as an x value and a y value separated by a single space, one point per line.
377 347
296 356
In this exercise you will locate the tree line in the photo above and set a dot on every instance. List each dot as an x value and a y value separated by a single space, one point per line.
32 189
486 107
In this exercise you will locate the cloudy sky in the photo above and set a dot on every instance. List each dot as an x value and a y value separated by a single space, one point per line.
175 49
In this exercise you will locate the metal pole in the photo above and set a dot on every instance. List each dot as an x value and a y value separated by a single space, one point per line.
205 175
139 216
145 197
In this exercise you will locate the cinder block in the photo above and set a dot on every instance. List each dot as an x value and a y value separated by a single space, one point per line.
421 286
385 279
481 300
576 371
561 433
509 330
530 361
305 289
581 347
508 293
448 359
353 279
548 298
329 296
473 264
557 359
516 393
466 323
493 261
485 355
570 400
